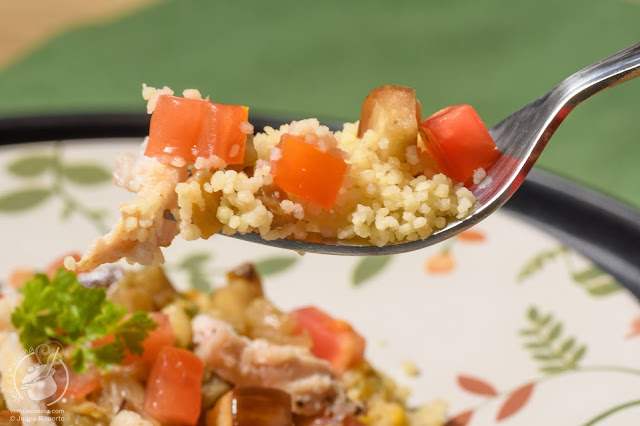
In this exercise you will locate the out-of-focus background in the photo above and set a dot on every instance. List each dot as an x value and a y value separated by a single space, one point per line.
301 59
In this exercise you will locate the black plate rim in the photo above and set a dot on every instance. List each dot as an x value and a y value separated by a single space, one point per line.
605 230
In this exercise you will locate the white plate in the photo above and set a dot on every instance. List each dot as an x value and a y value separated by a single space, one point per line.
462 326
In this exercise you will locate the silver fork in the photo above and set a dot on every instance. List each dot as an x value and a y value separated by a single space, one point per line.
521 137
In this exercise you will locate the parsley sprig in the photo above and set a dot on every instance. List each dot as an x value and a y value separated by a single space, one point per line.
62 309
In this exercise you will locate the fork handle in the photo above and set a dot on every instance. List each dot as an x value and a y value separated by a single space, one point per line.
609 72
537 121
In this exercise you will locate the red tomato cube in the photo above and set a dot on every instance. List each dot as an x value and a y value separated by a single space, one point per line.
191 128
307 171
173 394
175 127
459 142
220 133
332 339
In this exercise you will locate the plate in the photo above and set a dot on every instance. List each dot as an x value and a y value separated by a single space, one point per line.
528 318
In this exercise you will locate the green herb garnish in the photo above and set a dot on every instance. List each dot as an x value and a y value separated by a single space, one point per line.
66 311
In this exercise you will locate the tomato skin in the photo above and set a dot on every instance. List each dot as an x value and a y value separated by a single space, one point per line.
459 142
307 171
332 339
220 132
173 394
191 128
174 127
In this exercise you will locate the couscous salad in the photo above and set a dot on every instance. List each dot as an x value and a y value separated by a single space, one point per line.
391 177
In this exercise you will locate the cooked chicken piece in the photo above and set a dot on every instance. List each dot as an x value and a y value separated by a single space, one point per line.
244 362
12 372
142 228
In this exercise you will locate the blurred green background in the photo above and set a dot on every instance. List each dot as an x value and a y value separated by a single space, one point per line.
300 59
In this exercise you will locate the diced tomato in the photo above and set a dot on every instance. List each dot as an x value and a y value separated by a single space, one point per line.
173 394
58 263
80 385
175 126
332 339
220 133
191 128
305 170
459 142
157 339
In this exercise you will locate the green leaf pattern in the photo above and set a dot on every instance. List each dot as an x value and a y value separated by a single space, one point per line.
194 265
592 279
538 262
31 165
275 265
596 282
23 199
37 165
368 267
543 339
86 174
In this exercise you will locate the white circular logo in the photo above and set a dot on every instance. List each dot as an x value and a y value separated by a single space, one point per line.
41 375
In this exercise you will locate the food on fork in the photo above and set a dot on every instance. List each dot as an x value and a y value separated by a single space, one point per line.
229 357
387 179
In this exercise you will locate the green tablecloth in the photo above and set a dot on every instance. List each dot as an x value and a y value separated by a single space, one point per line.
321 58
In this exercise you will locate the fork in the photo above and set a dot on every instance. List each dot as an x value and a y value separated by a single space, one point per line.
521 137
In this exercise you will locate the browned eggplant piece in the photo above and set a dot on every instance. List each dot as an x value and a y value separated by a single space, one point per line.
394 113
250 157
251 406
246 272
207 222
